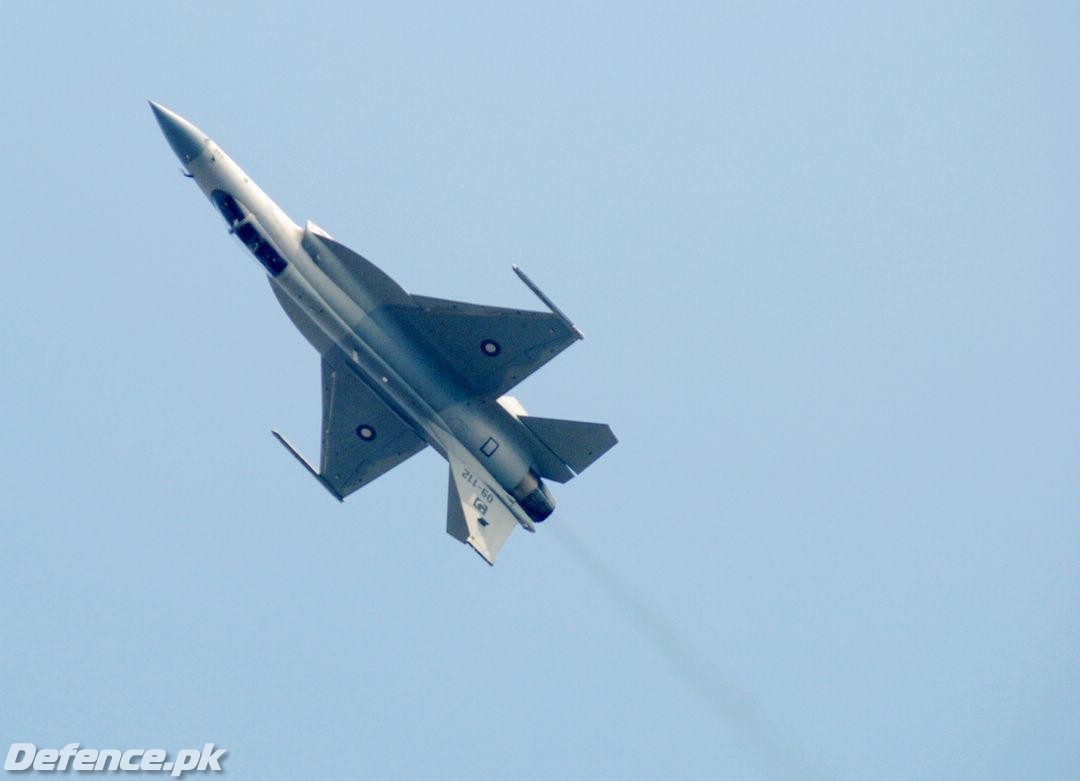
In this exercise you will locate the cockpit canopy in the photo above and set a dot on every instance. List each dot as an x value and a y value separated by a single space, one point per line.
242 224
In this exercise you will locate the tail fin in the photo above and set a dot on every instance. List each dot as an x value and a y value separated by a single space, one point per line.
475 515
575 444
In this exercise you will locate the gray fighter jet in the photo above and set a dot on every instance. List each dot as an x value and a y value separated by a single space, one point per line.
403 371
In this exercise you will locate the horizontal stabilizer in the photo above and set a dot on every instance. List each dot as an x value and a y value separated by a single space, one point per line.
475 515
576 444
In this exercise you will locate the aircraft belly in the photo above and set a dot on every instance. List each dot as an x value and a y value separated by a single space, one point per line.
414 384
395 349
494 444
311 303
459 430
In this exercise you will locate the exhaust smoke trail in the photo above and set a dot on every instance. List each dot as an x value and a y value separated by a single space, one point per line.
732 705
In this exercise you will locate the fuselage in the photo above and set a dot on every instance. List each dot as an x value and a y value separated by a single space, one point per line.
364 321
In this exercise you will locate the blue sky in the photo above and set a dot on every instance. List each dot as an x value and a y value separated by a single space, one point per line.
825 259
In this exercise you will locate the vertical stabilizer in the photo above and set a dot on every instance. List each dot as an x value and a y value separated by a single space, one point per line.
475 515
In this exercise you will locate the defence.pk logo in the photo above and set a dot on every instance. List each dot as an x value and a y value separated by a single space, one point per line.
27 756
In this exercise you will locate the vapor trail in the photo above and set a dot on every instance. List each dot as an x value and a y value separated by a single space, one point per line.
733 706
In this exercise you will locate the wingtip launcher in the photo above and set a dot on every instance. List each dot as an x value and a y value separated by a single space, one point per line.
314 472
548 302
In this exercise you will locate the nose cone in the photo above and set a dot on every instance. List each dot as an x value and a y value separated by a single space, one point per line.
186 140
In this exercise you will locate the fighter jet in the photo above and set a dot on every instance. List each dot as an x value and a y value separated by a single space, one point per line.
401 371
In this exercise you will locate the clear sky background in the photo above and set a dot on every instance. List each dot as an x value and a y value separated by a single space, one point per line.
826 260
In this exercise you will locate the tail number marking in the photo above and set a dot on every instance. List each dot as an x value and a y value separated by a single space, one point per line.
486 494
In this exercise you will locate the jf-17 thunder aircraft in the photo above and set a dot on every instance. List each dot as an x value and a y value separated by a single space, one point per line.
401 371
